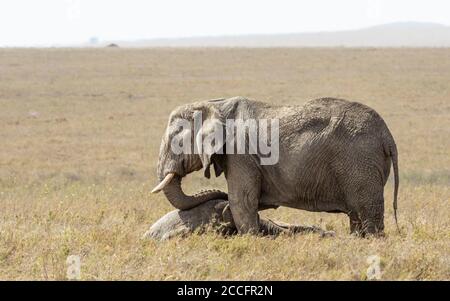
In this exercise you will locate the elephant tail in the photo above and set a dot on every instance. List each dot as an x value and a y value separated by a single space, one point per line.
396 180
394 156
391 151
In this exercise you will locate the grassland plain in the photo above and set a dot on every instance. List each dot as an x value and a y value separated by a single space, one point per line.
80 131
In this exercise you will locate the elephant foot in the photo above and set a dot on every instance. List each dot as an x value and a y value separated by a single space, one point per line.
366 228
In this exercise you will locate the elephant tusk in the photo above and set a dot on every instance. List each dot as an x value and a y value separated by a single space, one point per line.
163 183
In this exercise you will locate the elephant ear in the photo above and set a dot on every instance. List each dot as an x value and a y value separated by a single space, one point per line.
213 134
210 141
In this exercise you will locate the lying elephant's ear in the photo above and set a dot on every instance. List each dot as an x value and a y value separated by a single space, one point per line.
210 141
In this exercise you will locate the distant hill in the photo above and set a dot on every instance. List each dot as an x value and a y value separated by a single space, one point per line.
404 34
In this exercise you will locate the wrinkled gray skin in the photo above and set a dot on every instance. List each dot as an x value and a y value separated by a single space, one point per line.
216 215
335 156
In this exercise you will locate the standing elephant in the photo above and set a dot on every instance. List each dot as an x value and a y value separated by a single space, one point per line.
334 156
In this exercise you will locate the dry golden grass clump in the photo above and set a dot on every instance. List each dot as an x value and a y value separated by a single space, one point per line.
80 133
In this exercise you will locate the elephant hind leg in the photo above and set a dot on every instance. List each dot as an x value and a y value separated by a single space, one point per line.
368 217
268 227
295 229
372 218
355 223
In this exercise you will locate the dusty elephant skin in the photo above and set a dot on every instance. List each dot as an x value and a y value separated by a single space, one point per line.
216 215
334 156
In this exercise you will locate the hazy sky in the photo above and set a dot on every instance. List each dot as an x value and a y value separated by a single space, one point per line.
62 22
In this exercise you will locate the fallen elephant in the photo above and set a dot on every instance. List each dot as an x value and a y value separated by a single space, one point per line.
216 215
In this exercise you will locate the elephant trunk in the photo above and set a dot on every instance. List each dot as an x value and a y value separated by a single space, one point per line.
180 200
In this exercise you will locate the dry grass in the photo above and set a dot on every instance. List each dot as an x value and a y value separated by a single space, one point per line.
80 132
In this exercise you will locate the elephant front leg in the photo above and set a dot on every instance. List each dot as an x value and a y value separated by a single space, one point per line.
244 189
244 208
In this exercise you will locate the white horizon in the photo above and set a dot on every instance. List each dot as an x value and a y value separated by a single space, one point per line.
56 23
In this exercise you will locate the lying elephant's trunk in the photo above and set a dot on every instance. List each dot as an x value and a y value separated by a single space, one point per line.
174 193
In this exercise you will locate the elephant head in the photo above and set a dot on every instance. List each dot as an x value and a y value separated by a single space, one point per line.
174 165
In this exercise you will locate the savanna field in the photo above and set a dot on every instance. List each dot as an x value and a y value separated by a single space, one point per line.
79 138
